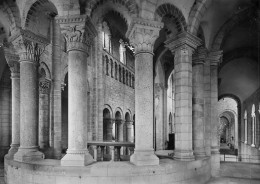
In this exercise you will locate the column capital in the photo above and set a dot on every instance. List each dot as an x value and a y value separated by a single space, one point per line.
12 61
28 45
143 33
199 55
183 41
44 86
78 31
215 57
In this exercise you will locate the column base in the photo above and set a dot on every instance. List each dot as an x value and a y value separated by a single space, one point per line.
253 145
199 153
28 154
14 148
144 157
183 155
77 158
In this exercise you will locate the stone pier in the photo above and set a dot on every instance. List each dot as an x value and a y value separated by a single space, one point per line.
79 33
182 47
143 35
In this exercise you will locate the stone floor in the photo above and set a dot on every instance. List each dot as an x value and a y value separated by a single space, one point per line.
229 180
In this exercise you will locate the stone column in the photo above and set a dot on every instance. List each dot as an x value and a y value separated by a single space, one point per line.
142 34
56 92
198 127
29 47
44 123
109 130
214 57
182 47
120 130
13 62
207 105
79 33
129 127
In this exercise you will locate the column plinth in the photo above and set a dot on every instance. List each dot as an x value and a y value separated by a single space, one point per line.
143 35
182 47
79 33
29 47
13 62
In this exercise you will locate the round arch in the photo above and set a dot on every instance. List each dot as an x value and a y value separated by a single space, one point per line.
127 9
118 109
197 12
170 9
44 66
10 17
31 6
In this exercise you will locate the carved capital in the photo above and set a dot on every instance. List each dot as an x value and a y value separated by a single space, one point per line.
44 86
28 45
183 41
199 56
12 61
143 33
78 31
215 57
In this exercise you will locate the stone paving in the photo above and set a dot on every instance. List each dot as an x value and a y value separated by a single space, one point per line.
229 180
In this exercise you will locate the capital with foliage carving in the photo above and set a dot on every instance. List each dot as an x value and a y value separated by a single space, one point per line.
28 45
78 31
199 55
44 86
143 33
12 61
215 57
183 41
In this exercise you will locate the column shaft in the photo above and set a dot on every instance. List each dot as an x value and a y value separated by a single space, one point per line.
214 57
142 35
15 114
144 110
44 119
198 118
182 47
207 110
28 149
198 110
77 154
57 108
183 104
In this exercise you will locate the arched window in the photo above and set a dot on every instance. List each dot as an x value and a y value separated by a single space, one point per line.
107 66
111 62
126 80
106 37
119 73
133 81
170 122
253 125
245 120
122 51
130 79
124 75
115 71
